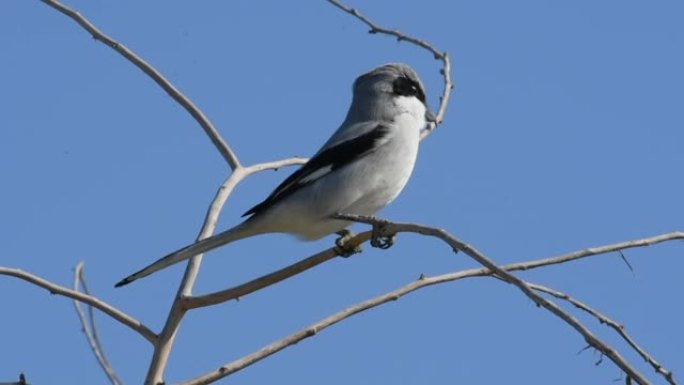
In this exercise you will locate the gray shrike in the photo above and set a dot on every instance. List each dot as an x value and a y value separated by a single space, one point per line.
359 170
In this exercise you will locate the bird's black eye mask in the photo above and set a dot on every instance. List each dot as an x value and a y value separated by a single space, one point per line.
406 87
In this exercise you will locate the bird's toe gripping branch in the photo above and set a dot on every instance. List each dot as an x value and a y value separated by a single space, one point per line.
342 245
380 237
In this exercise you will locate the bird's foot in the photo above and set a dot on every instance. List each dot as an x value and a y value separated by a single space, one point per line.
342 246
379 238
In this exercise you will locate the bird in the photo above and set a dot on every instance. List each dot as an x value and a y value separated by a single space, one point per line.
362 167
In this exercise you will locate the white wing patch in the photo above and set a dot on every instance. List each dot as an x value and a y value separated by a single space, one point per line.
316 174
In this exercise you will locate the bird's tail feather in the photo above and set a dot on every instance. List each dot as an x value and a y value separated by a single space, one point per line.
231 235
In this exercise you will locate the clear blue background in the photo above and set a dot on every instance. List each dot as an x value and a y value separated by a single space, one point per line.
565 131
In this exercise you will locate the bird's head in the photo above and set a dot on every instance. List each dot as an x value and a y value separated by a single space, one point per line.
392 89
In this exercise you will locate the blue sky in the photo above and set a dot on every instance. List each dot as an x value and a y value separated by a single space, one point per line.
565 131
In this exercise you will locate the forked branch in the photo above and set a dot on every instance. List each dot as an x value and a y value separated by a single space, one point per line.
97 303
424 281
620 329
386 228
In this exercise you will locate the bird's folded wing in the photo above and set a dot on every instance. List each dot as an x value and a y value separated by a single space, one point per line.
329 158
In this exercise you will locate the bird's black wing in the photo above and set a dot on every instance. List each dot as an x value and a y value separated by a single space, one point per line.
321 164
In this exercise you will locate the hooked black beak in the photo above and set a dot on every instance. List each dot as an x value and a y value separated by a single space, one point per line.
429 116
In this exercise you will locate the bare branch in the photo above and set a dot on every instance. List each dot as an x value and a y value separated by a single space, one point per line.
387 228
272 278
211 218
439 55
620 329
393 295
89 329
85 298
164 344
606 249
420 283
274 165
329 254
220 144
413 228
162 348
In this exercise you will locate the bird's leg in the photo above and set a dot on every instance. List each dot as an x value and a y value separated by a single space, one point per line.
343 248
379 238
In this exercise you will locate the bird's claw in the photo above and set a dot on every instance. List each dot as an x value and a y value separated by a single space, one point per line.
342 246
379 239
382 242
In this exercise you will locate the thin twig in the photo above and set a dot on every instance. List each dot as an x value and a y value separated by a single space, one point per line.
439 55
90 330
624 259
158 78
275 165
422 282
97 303
620 329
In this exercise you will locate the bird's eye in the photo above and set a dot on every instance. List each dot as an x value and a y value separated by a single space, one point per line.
407 87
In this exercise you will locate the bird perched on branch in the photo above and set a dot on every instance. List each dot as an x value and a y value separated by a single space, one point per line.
362 167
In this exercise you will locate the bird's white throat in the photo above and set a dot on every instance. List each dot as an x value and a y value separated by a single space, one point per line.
411 106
